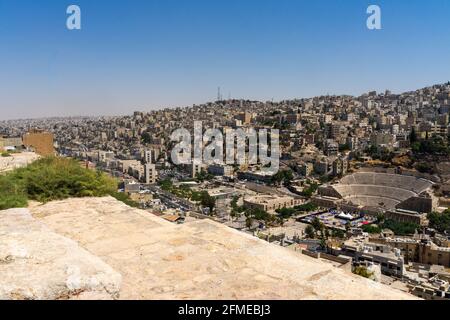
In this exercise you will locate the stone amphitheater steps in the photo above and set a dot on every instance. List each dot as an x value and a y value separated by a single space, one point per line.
368 188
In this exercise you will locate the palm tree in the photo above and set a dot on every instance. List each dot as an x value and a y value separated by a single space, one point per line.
309 231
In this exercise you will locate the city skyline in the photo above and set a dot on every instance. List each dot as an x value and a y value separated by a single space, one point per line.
156 109
156 54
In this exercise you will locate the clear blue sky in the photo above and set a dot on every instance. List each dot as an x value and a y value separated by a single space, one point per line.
146 54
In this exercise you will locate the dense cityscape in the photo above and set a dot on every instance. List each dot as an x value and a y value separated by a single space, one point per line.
363 183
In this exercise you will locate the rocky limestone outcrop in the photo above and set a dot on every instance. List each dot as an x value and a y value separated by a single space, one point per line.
17 160
36 263
198 260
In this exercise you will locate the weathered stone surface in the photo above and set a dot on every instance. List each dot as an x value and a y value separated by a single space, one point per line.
36 263
17 160
198 260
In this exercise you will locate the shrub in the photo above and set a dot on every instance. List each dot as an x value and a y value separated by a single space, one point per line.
363 272
60 178
125 199
54 178
12 195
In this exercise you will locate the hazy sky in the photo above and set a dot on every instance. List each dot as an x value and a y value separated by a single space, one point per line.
141 55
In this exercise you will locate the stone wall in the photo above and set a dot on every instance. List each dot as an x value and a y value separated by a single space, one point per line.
39 142
418 204
36 263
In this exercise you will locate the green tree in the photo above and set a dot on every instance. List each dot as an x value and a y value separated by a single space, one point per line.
166 184
286 213
338 234
413 135
317 224
207 201
381 218
146 138
440 221
309 191
400 228
323 242
344 147
235 209
282 177
203 176
310 233
307 207
372 229
234 202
